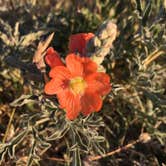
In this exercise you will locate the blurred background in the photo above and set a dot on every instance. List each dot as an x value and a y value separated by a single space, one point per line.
136 64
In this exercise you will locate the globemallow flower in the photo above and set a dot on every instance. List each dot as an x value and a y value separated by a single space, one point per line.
78 85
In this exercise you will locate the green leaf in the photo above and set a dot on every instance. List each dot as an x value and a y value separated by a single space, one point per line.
147 13
139 6
76 158
23 99
3 151
26 40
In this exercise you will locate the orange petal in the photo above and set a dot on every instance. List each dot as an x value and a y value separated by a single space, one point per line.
52 58
71 103
61 72
90 102
99 83
77 42
88 65
50 87
73 63
60 80
56 85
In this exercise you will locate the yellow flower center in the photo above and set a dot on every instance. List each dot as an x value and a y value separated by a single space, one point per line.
77 85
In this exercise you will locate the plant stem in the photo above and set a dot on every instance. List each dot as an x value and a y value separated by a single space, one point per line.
114 151
8 126
152 57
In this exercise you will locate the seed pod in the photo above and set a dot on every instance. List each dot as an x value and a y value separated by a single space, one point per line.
96 42
164 4
103 33
99 46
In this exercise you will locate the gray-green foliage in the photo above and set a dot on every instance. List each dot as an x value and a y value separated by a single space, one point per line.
136 64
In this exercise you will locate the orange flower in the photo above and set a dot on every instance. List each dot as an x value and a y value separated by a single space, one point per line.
77 42
78 86
52 58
